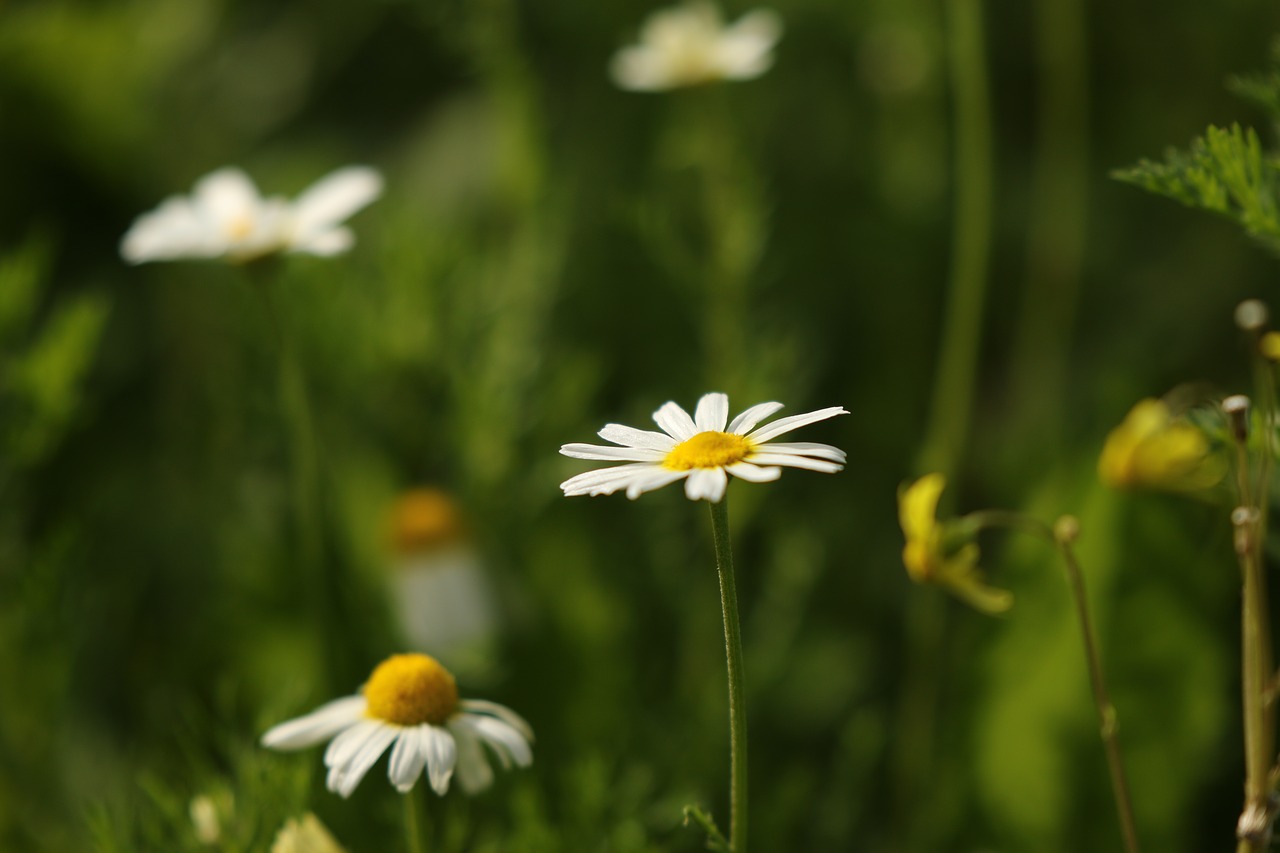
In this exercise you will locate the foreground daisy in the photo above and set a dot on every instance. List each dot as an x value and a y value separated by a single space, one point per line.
688 45
702 451
225 217
410 704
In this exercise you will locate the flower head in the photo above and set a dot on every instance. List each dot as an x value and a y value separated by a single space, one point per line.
930 558
307 835
226 218
702 451
1152 449
410 703
689 44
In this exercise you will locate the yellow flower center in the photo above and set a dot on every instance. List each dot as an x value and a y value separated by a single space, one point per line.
425 520
708 450
240 227
409 690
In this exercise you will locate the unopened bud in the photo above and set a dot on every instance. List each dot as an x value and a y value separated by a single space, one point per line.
1066 529
1269 346
1251 315
1237 410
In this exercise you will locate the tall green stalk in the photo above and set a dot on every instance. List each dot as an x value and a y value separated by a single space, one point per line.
953 385
737 699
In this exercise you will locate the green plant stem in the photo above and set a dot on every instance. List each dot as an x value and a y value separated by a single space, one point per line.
957 363
1061 537
1256 819
412 820
951 405
737 701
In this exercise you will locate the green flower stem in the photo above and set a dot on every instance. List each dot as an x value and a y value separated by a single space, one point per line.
1062 536
952 402
305 483
971 236
413 805
737 700
1254 829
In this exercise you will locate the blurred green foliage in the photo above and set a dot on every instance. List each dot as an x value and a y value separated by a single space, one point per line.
553 254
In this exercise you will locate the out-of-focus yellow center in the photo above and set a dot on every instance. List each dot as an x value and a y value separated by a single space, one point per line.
708 450
409 690
240 227
425 520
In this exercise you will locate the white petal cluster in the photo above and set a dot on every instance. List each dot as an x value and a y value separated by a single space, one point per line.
647 453
689 44
359 740
226 218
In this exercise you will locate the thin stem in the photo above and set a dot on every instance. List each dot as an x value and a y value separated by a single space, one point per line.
1061 536
1107 726
737 701
971 236
953 387
412 820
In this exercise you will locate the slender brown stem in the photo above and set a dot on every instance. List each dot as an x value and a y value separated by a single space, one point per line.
1064 534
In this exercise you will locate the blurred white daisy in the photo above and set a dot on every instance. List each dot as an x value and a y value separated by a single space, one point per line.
307 835
410 703
226 218
438 581
702 451
689 44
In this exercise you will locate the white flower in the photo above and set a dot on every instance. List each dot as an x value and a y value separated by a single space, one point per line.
701 450
225 217
689 44
410 703
440 588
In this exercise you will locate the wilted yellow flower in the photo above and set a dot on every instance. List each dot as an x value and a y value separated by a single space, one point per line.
307 835
929 559
1154 450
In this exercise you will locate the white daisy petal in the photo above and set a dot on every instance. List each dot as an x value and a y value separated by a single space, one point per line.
753 473
349 741
796 462
656 480
324 244
675 422
344 778
712 412
442 756
632 437
806 448
335 197
408 757
605 452
745 422
320 725
606 481
785 425
474 772
506 743
227 194
746 47
706 483
502 712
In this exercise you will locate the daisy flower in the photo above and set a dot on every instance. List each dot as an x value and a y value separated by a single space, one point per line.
702 451
688 45
410 704
225 217
438 581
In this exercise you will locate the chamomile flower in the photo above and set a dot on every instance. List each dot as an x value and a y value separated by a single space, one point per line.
410 704
702 451
225 217
438 581
689 44
1154 449
930 558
